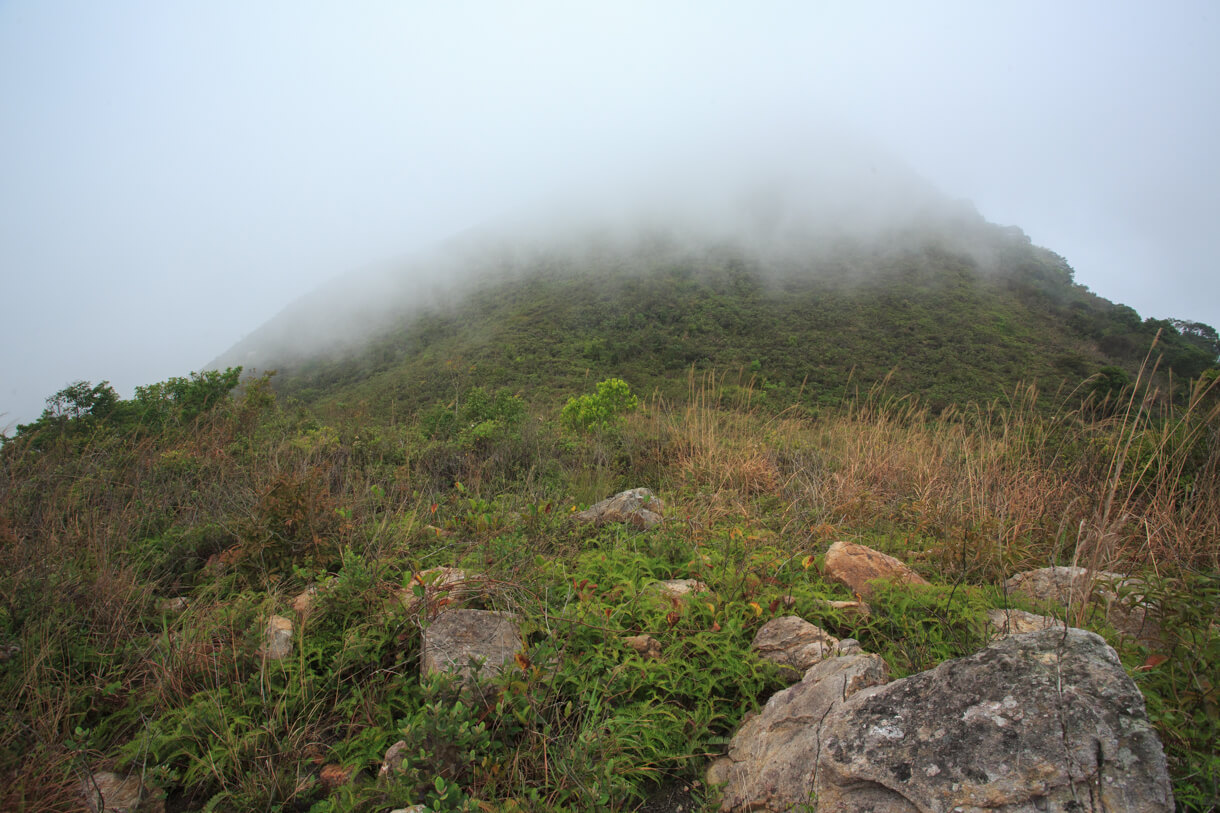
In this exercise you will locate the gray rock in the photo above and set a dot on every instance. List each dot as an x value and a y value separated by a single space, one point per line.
456 637
678 588
771 759
638 507
1084 593
1044 721
794 643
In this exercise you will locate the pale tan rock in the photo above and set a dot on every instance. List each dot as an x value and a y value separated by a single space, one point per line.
304 601
1015 622
172 606
118 794
491 638
395 755
638 507
1085 594
277 638
442 587
793 643
678 588
646 645
857 566
770 761
849 609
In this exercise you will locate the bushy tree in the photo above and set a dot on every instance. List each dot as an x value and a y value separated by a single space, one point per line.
601 410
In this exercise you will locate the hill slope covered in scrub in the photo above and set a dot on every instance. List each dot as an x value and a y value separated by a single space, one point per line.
146 545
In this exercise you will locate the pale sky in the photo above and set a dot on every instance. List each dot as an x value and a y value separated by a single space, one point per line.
173 174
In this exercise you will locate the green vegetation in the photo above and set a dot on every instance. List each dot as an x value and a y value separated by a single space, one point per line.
438 448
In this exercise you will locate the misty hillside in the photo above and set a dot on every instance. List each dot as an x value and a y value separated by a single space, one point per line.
808 301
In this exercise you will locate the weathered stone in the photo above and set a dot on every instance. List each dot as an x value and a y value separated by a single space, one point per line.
1045 721
441 587
303 603
848 646
456 637
395 755
849 609
277 638
793 643
1016 622
171 606
646 645
1113 596
120 794
858 565
771 758
678 588
638 507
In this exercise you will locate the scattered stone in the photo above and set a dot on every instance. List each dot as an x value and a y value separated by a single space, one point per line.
849 609
411 809
333 775
771 758
120 794
1115 597
277 640
442 587
793 643
170 606
646 645
1015 622
395 755
858 565
1044 721
302 605
638 507
678 588
456 637
849 646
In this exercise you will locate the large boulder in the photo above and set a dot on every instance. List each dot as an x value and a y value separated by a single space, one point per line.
456 638
1112 596
857 566
638 507
1044 721
771 758
793 643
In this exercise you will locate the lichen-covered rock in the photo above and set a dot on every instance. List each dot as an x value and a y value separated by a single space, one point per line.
1115 597
456 637
638 507
771 758
277 638
394 757
120 794
856 566
1044 721
793 643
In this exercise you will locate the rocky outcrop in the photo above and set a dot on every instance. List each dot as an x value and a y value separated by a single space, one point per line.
857 566
1045 721
1112 596
638 507
458 638
770 762
794 644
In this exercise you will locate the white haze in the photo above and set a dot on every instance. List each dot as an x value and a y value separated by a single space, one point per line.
173 175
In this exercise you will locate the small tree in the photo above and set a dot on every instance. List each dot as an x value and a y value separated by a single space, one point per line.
601 410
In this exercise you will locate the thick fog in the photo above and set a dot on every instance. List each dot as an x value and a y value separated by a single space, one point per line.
173 175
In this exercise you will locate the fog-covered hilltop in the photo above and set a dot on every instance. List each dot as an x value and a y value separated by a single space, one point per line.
803 271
